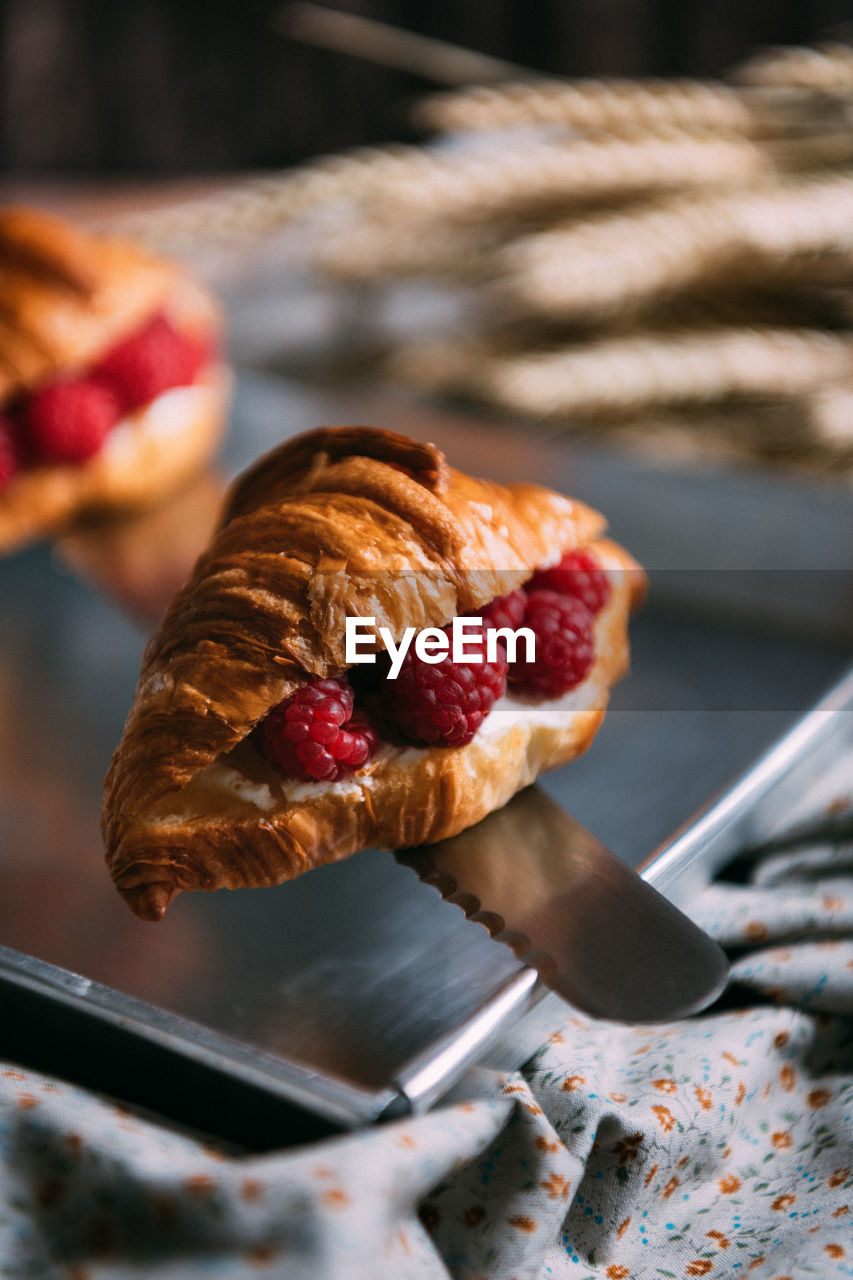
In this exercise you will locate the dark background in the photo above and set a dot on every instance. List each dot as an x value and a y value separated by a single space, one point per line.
199 86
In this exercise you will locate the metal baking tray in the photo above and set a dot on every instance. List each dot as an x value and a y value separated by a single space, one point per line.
800 789
355 993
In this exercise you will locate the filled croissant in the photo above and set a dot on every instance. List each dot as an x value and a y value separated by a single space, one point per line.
261 744
112 387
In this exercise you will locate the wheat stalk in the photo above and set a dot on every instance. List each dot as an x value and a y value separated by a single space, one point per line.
594 106
407 181
604 264
622 376
373 247
824 69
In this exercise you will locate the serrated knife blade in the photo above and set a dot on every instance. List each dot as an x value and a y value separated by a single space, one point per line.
598 934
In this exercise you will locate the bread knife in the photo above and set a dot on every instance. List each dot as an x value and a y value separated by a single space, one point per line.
598 935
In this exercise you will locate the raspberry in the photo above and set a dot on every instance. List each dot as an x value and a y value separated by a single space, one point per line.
578 574
445 702
69 419
506 611
316 736
9 459
149 362
563 627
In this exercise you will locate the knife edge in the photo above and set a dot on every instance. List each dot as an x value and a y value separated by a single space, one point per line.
597 934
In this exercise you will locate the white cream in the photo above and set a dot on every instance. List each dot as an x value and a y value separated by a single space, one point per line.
235 783
245 776
161 420
225 777
509 711
267 789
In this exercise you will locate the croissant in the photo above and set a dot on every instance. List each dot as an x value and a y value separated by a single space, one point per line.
112 388
339 522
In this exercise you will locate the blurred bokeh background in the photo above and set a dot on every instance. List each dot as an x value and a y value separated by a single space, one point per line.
117 86
620 219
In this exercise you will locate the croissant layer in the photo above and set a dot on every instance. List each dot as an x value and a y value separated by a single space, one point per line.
339 522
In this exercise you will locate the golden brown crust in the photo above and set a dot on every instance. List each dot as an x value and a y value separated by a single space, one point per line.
65 298
378 532
284 468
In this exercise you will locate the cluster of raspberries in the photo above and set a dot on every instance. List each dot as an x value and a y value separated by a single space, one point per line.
317 735
68 419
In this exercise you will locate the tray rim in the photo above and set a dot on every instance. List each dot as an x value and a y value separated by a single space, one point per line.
715 834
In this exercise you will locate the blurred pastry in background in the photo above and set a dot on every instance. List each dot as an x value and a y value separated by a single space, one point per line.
113 389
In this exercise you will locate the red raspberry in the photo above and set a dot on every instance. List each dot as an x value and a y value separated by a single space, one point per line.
578 574
563 627
9 457
506 611
445 702
315 735
151 361
69 419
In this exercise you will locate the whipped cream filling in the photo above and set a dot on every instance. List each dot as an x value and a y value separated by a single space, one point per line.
161 419
245 778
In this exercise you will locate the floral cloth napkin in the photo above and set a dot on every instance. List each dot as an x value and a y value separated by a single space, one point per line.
720 1146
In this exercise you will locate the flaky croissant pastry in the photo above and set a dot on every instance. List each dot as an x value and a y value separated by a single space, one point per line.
112 387
343 522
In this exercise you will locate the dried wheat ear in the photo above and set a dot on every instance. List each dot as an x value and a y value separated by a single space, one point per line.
593 220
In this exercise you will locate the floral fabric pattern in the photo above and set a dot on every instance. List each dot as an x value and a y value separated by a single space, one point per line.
717 1147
